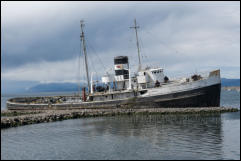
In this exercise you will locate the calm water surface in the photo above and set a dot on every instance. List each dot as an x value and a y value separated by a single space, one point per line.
215 136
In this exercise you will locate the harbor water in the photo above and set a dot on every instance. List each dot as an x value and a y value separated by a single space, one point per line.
206 136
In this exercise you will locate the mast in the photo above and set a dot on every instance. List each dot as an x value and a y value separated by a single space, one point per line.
137 44
82 37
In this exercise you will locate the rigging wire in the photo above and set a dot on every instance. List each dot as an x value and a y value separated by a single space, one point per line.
95 53
91 61
78 73
144 55
83 67
84 76
131 46
142 51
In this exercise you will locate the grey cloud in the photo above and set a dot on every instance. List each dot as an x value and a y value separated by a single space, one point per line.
173 33
51 36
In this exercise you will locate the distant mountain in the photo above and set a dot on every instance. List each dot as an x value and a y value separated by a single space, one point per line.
61 87
230 82
16 87
29 87
54 87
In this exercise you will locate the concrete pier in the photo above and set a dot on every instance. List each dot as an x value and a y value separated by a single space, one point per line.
19 118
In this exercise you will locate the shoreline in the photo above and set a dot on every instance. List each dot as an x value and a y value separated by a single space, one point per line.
26 117
229 88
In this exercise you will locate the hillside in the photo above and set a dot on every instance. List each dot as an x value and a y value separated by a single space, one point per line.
59 87
54 87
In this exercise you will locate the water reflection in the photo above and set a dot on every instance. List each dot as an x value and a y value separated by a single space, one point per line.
123 137
185 134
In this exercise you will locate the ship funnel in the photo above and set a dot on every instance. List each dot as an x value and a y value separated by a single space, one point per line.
121 66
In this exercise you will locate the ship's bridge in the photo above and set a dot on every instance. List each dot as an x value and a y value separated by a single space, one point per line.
157 74
150 76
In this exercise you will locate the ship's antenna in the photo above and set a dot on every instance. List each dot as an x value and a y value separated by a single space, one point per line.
137 44
82 38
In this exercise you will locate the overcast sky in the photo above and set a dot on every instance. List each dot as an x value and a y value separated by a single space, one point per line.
41 40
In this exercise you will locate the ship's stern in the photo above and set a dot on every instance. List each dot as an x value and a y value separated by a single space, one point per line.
214 92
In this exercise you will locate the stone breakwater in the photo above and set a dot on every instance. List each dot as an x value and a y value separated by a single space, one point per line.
19 118
237 88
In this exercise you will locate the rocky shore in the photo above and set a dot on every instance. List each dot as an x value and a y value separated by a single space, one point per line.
237 88
19 118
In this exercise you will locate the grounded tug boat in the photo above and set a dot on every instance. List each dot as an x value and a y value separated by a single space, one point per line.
149 87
